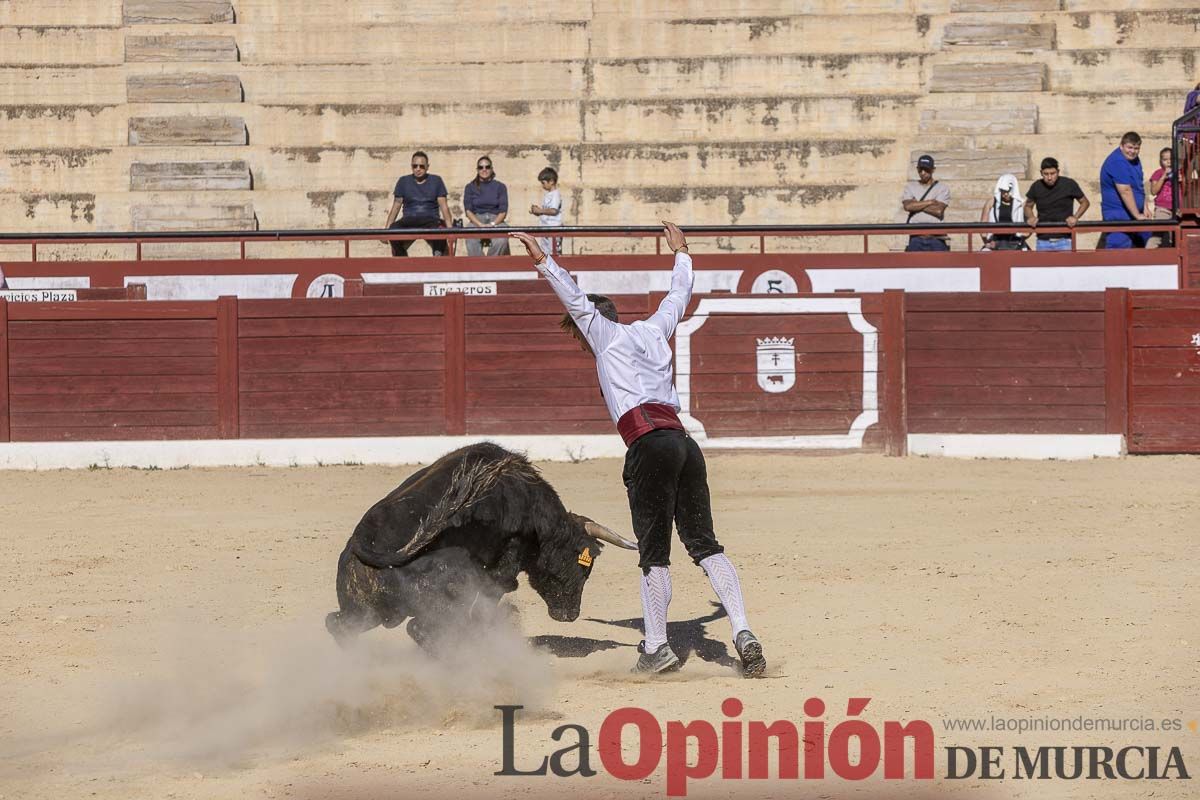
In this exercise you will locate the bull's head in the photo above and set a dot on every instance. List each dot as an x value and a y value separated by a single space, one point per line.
564 564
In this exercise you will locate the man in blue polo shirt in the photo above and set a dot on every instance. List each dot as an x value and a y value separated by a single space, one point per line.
422 198
1123 192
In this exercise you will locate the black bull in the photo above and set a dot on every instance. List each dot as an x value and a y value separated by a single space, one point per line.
449 542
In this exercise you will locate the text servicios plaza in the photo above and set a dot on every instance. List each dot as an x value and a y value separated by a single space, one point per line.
853 749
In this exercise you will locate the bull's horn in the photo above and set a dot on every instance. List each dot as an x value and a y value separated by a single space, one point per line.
598 531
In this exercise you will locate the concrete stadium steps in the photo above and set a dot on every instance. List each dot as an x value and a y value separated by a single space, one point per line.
1067 70
65 126
727 9
1065 114
828 162
1170 27
99 211
605 38
601 38
390 43
69 13
184 46
1092 6
28 45
764 118
158 12
753 163
557 122
512 123
734 75
767 110
415 12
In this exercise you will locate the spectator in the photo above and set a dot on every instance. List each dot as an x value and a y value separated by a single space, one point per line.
423 199
549 213
925 200
1006 205
1052 201
1123 193
485 200
1192 100
1164 198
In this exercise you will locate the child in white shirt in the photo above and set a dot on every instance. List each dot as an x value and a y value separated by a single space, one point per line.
549 213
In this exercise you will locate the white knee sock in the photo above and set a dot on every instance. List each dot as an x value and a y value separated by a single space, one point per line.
724 580
656 596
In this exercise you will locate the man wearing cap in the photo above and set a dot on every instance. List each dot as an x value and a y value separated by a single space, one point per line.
925 200
665 475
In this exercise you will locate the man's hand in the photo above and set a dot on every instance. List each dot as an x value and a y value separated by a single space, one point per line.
1071 220
531 246
675 238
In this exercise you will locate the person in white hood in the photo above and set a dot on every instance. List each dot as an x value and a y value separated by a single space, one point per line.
1005 205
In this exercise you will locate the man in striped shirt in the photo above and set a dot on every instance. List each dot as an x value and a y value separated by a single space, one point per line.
665 475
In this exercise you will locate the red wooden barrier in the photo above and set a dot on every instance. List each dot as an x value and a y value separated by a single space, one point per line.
782 366
894 415
1164 347
112 370
342 367
1006 363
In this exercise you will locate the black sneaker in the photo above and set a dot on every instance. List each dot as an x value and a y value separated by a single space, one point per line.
661 660
749 650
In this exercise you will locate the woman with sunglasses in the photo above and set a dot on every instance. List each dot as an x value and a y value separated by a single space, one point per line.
485 201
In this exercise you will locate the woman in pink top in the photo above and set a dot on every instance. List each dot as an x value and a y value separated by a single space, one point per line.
1163 192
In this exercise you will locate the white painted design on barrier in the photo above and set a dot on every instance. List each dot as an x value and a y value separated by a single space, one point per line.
472 288
596 281
39 295
850 306
1040 446
76 282
916 279
776 364
658 280
210 287
774 281
327 285
1095 279
446 277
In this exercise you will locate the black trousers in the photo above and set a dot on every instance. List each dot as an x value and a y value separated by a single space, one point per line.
667 481
400 247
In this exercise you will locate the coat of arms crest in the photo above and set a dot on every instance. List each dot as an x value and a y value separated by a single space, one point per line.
776 364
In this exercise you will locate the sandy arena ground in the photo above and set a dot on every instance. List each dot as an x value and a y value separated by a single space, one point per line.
162 634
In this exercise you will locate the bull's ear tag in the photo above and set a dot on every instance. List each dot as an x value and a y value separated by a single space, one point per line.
585 558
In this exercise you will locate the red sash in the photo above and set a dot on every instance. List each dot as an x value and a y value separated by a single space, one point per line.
640 420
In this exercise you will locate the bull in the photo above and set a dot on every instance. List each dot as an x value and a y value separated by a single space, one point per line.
449 542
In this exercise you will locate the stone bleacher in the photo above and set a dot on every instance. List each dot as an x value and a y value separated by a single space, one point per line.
153 115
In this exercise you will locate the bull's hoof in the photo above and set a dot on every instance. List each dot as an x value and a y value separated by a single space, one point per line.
343 634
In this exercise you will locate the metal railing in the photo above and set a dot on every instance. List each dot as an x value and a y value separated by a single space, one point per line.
974 231
1185 159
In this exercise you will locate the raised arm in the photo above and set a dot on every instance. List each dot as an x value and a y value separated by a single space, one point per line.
597 329
671 309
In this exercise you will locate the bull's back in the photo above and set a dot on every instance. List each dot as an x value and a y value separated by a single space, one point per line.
392 522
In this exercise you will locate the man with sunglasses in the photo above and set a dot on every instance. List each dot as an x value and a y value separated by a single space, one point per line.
485 201
422 197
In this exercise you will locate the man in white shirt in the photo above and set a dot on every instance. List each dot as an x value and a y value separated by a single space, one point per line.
665 475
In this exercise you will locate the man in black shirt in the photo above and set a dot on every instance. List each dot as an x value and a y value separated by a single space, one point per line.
1052 200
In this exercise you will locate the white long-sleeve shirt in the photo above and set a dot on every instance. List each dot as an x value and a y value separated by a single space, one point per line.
633 361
